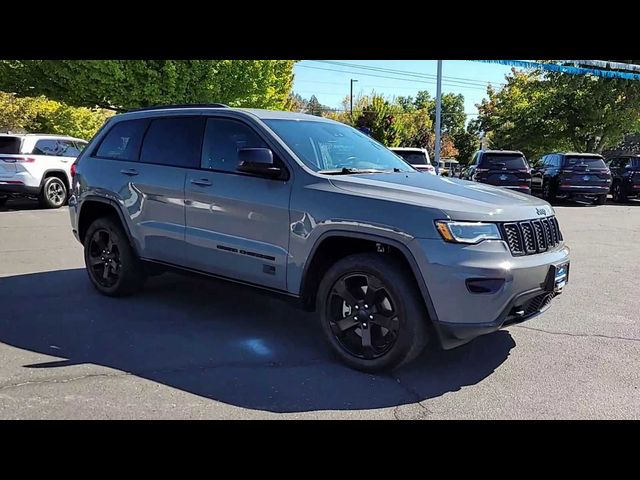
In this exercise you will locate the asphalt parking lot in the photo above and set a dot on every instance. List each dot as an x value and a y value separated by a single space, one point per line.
193 348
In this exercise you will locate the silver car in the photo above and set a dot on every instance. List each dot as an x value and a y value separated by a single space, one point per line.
392 259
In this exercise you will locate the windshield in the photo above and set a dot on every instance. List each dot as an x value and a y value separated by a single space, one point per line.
510 162
414 158
328 146
10 145
589 162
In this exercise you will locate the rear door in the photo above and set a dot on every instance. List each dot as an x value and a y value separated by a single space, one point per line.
505 170
142 163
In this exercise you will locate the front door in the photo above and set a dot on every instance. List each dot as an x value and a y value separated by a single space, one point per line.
237 225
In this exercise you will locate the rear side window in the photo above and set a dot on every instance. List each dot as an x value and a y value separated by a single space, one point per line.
222 140
510 162
47 146
589 162
123 140
173 141
10 145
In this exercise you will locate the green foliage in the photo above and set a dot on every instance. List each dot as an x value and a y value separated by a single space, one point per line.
126 84
40 115
541 112
380 117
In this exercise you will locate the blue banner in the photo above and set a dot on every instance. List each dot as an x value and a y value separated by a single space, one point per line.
565 69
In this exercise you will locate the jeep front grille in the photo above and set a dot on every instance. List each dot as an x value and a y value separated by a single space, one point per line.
532 236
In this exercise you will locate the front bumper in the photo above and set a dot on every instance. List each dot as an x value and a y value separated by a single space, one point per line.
462 315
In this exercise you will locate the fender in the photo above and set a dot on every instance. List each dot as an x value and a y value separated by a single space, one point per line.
116 207
404 250
56 170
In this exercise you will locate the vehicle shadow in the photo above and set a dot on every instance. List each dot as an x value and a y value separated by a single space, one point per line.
20 204
220 341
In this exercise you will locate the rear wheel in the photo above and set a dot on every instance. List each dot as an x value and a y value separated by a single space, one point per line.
111 263
372 313
54 193
617 194
600 199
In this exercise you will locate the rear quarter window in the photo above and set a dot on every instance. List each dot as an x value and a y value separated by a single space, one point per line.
10 145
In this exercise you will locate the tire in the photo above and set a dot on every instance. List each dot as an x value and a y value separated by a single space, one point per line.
600 200
106 247
3 200
406 319
617 194
547 192
54 193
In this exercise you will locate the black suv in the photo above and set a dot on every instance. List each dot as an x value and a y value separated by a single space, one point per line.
625 175
503 168
572 175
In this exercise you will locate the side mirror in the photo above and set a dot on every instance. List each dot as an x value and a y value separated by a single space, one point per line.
258 161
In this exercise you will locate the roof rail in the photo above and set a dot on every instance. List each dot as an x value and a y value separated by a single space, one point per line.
186 105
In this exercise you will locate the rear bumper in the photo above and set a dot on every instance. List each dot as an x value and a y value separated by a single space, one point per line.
17 190
570 190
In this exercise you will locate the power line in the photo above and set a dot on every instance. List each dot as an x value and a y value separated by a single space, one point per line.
391 78
463 80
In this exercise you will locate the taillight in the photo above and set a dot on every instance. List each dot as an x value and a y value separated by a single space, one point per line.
18 159
482 170
73 169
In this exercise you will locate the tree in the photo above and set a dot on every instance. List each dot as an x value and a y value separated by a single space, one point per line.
467 142
41 115
380 117
314 107
126 84
539 112
453 118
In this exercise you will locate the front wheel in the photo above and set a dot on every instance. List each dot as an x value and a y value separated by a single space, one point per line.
111 263
547 192
600 199
617 194
372 312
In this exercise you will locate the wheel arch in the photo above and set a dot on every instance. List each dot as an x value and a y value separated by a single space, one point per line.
94 207
61 174
312 272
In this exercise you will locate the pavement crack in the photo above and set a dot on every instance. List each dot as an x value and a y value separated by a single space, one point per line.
588 335
418 400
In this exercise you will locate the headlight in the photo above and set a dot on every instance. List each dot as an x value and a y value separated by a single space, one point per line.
467 232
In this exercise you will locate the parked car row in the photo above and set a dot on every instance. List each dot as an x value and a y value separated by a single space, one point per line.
564 175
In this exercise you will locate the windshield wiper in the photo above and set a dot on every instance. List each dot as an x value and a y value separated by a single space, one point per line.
349 171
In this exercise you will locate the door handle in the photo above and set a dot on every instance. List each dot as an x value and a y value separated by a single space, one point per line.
129 171
203 182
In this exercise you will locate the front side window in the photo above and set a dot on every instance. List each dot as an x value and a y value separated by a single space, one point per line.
222 140
333 146
68 148
123 141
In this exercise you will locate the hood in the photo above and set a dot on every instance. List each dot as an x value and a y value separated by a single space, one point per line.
457 199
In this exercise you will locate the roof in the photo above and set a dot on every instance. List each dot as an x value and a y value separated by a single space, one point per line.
407 149
578 154
45 135
203 108
503 152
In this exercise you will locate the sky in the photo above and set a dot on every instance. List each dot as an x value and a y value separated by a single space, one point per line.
330 82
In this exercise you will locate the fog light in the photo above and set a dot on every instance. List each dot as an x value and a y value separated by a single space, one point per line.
484 285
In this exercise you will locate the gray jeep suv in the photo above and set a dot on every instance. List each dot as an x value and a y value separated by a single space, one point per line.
312 209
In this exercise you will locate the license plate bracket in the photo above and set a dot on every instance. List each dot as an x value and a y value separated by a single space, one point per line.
557 277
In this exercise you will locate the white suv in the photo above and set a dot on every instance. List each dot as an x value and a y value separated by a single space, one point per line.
37 166
417 157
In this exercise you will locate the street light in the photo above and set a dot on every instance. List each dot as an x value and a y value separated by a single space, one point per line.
351 97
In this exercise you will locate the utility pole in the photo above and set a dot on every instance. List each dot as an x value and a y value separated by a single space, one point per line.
438 113
351 97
